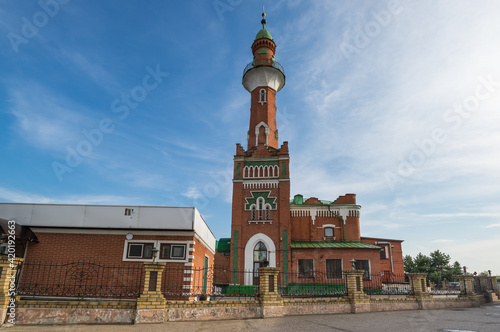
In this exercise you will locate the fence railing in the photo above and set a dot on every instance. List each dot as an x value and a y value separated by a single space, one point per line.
311 284
179 283
447 289
95 280
387 284
80 279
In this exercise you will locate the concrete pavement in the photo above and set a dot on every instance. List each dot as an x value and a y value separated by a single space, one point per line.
484 319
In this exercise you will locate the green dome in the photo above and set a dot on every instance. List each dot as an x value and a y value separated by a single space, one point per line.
263 33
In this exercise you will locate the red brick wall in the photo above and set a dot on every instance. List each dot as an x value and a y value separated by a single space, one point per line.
321 255
106 250
397 254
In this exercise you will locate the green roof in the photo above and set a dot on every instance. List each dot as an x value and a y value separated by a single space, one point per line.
263 33
331 244
223 245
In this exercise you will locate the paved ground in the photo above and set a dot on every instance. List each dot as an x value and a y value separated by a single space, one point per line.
486 318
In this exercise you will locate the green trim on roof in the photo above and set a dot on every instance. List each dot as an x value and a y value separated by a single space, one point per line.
223 245
263 33
263 51
331 244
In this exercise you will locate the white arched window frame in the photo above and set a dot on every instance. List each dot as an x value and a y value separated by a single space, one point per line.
266 128
262 96
249 250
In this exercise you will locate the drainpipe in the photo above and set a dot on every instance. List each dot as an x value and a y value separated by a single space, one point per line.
390 251
342 222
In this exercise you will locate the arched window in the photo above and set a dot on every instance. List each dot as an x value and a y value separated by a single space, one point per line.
260 252
253 212
268 212
262 96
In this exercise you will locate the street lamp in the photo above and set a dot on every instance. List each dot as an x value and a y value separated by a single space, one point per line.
465 269
489 272
353 263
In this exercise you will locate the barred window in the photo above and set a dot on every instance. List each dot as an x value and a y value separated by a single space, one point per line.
306 268
334 268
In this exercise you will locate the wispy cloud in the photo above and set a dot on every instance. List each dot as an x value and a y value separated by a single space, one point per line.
492 226
14 196
45 119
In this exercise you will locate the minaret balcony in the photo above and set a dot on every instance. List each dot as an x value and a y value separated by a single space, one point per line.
264 72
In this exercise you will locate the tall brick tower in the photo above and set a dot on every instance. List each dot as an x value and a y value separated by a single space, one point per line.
260 224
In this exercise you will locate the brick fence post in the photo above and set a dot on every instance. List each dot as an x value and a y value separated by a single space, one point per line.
269 298
8 272
466 284
360 302
495 285
418 282
151 303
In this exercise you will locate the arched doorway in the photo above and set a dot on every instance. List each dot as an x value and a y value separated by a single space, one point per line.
249 254
259 257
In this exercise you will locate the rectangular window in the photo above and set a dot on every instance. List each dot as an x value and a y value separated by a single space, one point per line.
383 253
306 268
172 251
140 250
129 212
328 231
334 268
364 265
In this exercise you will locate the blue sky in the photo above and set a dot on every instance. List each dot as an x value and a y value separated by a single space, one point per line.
141 103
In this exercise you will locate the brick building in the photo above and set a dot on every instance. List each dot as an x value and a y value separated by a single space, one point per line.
306 236
56 234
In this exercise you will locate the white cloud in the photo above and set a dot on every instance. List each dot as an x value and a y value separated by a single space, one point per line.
192 193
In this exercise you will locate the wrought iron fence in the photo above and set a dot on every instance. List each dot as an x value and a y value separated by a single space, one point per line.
387 284
183 284
80 279
313 284
446 289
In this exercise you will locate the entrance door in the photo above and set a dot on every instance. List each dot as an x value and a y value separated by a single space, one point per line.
259 257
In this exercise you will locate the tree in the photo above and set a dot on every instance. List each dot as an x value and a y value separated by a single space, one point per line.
436 265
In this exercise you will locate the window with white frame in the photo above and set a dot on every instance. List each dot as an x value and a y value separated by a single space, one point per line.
364 264
140 250
383 253
172 251
167 250
262 96
329 232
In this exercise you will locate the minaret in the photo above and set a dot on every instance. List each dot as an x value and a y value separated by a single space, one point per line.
260 221
263 78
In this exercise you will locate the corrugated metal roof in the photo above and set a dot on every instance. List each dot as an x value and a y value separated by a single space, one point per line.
331 244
